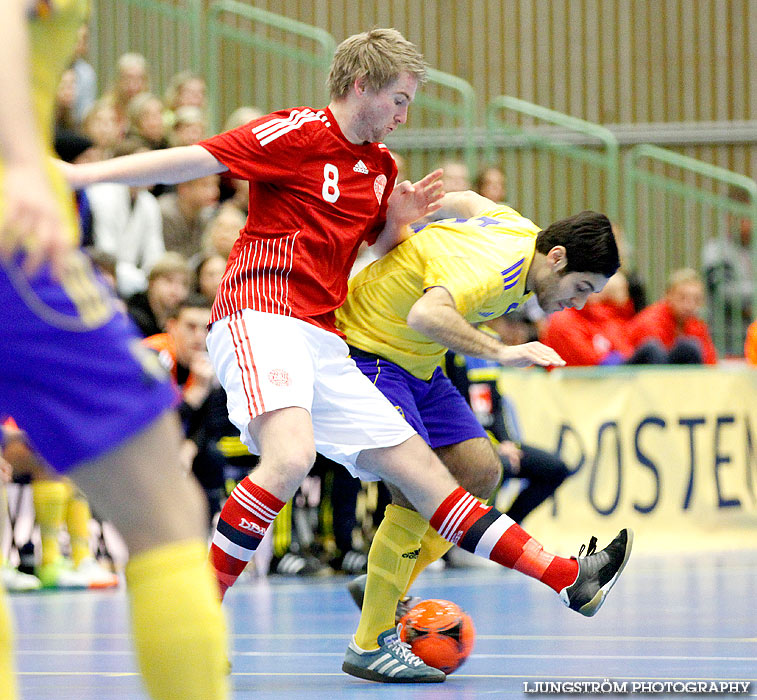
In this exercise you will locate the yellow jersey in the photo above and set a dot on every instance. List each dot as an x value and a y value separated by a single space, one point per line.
53 25
482 262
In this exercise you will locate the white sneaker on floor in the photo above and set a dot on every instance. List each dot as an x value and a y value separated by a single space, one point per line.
96 575
16 581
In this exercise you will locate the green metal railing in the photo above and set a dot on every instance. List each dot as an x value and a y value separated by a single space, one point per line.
275 60
679 212
560 166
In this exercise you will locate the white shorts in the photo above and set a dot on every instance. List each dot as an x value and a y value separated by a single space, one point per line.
268 361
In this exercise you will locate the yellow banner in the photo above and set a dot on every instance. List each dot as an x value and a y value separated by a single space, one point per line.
671 453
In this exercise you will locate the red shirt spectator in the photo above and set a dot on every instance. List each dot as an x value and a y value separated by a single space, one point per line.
675 317
594 335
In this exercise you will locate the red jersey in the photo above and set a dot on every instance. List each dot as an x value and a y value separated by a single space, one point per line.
658 321
314 197
588 336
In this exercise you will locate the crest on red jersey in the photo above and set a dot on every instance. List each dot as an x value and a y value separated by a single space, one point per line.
378 186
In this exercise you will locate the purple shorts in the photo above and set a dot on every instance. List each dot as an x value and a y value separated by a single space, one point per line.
434 408
73 373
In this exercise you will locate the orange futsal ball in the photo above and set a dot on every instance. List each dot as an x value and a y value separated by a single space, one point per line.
439 632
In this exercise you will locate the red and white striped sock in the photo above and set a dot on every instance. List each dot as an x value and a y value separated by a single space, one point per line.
241 526
463 520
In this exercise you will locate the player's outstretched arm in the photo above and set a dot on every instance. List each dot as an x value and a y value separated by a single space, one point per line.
436 316
167 166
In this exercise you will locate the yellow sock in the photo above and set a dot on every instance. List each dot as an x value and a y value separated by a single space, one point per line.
390 562
433 547
78 516
178 626
8 690
49 511
282 530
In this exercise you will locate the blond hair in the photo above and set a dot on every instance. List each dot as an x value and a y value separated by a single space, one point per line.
685 275
170 264
378 57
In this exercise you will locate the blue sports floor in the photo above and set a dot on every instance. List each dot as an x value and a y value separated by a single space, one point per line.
676 619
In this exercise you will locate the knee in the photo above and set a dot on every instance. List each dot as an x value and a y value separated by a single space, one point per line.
482 479
296 459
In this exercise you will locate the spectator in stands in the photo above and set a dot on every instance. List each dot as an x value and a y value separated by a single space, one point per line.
597 333
182 352
727 265
671 328
208 275
456 177
100 125
145 114
132 77
189 126
167 287
105 264
223 230
86 78
750 345
127 223
185 89
492 184
65 97
186 212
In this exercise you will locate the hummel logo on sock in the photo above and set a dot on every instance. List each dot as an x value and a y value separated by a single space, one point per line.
359 167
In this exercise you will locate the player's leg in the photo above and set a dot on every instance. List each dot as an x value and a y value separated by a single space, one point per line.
8 690
462 519
284 438
476 467
439 414
266 366
179 631
93 414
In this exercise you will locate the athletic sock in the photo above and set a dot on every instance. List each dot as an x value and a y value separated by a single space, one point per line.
8 689
433 547
463 520
243 522
390 563
78 516
178 625
49 511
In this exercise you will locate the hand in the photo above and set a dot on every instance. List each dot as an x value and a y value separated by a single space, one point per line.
533 353
187 454
410 202
33 220
512 453
202 380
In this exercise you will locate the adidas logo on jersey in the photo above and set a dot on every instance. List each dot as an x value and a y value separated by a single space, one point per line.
359 167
